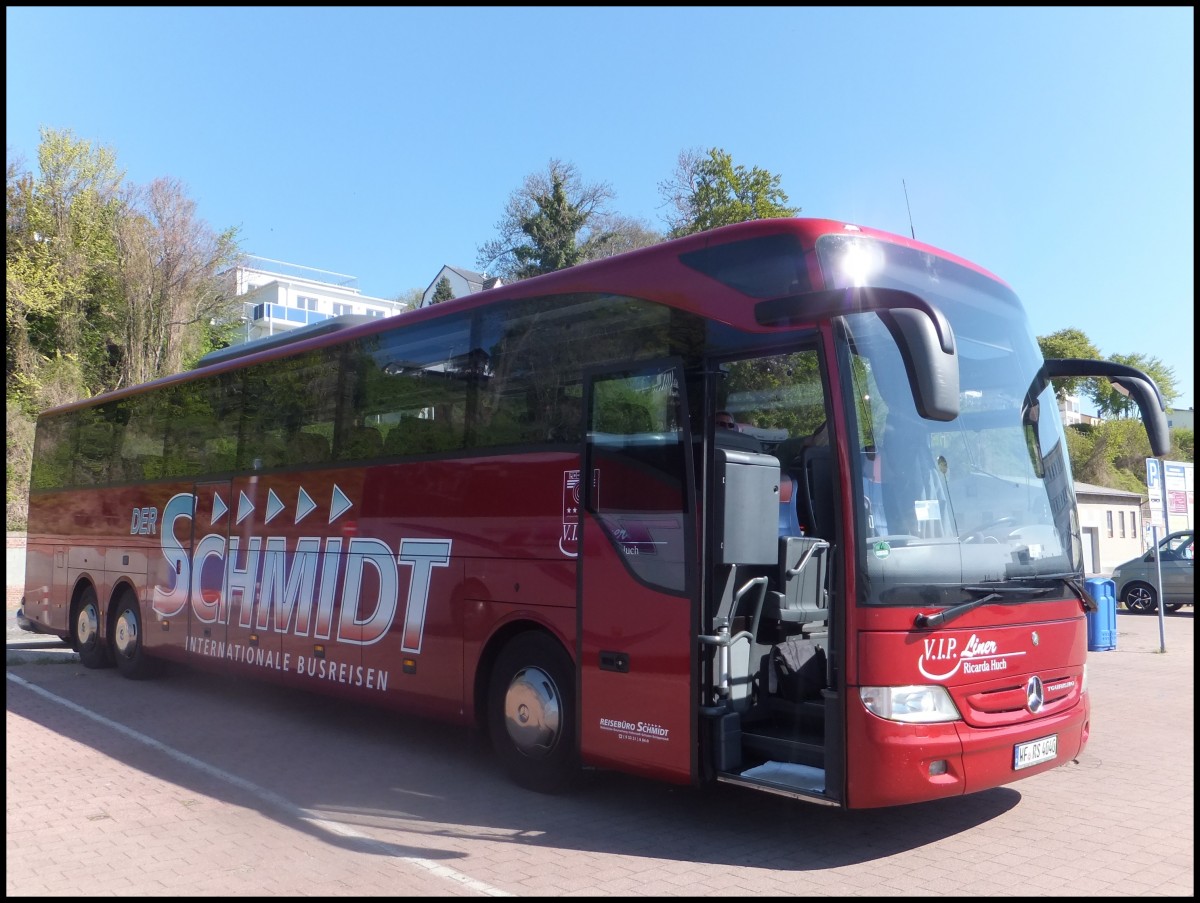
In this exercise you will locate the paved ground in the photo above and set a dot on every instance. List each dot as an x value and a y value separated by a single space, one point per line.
197 785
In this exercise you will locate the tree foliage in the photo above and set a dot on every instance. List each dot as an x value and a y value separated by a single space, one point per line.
442 291
1068 343
557 220
107 284
1074 343
540 229
410 299
610 234
708 190
1111 403
168 271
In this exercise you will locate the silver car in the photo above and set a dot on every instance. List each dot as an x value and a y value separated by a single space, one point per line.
1137 579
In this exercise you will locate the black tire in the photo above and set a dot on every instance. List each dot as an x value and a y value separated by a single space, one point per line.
128 641
85 631
1173 607
531 714
1140 597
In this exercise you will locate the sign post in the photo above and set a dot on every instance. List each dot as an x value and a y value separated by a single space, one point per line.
1158 518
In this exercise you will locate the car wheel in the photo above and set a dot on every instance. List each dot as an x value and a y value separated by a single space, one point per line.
1140 597
128 641
531 713
85 631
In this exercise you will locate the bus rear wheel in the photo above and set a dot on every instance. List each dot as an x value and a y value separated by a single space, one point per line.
531 713
129 642
85 631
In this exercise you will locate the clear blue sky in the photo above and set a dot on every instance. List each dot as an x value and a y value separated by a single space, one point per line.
1054 147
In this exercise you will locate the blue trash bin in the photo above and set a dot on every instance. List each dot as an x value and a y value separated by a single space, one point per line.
1102 623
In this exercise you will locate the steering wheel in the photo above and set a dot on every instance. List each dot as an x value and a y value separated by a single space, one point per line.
984 532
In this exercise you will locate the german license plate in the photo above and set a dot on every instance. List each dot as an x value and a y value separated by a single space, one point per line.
1035 752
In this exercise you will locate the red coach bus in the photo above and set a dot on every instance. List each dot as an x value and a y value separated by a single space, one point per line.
515 511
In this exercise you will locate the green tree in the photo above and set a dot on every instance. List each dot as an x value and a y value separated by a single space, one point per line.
1074 343
106 285
708 190
60 257
614 233
1068 343
168 274
1111 403
545 224
442 291
411 299
1183 444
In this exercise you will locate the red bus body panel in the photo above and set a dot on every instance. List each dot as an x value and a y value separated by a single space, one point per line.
637 720
349 630
984 661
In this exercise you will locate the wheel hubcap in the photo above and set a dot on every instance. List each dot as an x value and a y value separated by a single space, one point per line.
533 712
87 625
1139 600
126 634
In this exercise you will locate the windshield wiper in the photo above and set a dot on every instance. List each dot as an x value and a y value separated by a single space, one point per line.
994 593
1070 578
1027 578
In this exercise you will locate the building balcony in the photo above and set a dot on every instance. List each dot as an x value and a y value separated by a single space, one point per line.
278 314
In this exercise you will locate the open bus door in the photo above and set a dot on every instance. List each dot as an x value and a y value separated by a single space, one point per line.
637 617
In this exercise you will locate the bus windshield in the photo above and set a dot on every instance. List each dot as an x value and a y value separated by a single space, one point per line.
982 499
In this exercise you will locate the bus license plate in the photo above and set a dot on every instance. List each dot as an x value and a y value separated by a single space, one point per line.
1035 752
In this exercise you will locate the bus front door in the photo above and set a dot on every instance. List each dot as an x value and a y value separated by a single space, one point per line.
637 621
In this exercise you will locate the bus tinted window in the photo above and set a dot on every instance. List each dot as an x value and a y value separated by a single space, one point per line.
407 391
289 406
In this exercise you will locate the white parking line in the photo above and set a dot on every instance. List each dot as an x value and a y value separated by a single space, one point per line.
368 843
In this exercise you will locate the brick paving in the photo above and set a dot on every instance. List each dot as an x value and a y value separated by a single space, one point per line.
196 785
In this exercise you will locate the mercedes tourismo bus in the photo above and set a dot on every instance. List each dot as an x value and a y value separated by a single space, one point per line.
515 511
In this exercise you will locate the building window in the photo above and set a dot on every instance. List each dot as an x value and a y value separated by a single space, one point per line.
1110 524
374 313
1121 516
341 310
304 302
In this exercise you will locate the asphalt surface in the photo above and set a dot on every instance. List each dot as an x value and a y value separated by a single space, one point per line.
198 785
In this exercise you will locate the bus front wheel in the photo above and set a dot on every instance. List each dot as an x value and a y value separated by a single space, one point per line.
129 641
85 631
531 713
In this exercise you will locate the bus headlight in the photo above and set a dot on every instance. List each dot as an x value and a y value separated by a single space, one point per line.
915 705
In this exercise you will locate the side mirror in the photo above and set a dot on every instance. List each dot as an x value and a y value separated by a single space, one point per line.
1128 381
920 329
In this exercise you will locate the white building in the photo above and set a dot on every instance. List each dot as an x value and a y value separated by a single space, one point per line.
462 283
1112 521
1072 412
1182 420
278 296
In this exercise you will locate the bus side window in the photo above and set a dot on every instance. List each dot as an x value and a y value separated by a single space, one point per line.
309 448
95 453
420 436
220 454
360 443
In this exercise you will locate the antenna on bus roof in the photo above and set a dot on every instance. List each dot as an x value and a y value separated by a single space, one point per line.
906 204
